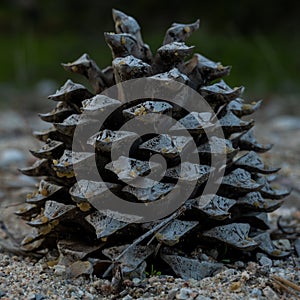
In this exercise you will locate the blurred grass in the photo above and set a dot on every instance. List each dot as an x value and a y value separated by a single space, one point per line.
265 65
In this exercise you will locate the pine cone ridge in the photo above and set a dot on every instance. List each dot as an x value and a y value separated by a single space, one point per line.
124 134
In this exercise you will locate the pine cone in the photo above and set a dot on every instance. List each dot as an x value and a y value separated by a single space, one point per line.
67 210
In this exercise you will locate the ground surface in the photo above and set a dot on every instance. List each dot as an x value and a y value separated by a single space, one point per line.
24 278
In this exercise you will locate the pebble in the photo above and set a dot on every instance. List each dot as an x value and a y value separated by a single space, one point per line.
229 272
256 292
171 294
213 253
200 297
270 294
265 261
31 296
98 283
59 270
239 264
245 276
136 281
277 263
152 279
235 286
88 296
186 294
204 257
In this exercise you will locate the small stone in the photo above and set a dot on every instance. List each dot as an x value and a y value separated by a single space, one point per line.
204 257
172 294
256 292
277 263
245 276
229 272
44 275
152 279
265 261
97 283
59 270
88 296
200 297
252 267
92 290
184 294
39 297
270 294
128 297
235 286
239 264
127 283
136 281
31 296
213 253
2 294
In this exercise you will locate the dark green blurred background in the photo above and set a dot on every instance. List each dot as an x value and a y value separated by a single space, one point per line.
260 39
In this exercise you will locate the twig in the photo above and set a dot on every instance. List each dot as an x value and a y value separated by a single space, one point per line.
279 283
142 237
287 282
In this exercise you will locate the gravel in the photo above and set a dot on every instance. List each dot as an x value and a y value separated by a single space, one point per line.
26 278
